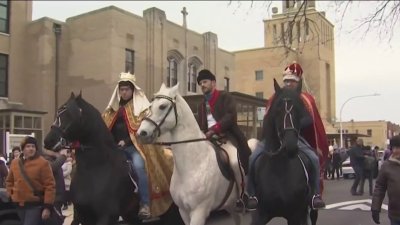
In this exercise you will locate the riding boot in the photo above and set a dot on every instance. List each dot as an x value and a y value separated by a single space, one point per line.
317 202
144 212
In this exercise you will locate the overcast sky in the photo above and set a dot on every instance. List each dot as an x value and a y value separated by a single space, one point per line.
363 66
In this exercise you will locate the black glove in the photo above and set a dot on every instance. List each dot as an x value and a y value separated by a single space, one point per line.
375 216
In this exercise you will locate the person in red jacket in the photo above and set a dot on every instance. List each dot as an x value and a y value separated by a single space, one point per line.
313 140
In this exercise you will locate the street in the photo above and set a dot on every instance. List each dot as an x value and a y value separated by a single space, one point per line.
342 208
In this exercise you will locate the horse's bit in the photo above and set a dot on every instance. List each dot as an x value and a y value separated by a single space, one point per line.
172 106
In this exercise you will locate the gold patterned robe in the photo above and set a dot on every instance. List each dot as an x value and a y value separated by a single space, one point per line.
158 161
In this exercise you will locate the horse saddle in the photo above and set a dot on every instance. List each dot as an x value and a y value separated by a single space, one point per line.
222 158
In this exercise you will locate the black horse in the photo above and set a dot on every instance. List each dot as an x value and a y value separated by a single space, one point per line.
282 186
101 189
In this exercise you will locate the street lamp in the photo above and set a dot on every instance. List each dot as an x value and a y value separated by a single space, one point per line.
341 109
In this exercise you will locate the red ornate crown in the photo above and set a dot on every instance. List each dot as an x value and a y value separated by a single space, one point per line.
293 72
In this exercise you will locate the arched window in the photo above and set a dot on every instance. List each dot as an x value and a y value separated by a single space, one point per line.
192 84
193 68
174 58
172 77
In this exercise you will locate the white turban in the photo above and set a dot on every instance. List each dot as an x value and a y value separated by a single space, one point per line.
140 101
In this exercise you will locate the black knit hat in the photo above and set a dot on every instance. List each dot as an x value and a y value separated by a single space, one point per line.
205 75
395 141
28 140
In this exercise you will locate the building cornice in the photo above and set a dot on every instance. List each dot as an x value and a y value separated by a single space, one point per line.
105 9
44 19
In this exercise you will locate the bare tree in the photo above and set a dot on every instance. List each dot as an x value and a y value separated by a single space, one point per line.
290 37
381 19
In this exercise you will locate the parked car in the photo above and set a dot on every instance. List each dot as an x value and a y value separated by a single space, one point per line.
348 171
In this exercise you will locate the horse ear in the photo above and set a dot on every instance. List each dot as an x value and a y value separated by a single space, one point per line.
299 86
175 89
177 85
277 87
80 94
163 86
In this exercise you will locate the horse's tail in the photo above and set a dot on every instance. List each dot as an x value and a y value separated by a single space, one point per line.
253 142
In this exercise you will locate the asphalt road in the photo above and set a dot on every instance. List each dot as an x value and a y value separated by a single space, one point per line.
342 208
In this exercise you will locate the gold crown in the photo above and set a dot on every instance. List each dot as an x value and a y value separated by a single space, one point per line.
127 77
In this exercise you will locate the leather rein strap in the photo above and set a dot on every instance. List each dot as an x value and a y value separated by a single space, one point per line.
181 142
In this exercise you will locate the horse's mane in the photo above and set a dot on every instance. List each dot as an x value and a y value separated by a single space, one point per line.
179 98
185 106
94 123
269 129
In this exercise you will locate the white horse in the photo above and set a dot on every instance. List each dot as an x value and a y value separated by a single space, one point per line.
197 184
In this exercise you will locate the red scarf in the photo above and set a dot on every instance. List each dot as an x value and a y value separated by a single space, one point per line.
213 99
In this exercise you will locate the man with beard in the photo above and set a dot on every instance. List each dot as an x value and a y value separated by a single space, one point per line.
218 116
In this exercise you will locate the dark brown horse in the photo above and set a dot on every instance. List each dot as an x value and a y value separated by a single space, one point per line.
101 189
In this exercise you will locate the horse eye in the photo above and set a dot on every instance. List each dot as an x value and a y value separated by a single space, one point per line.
162 107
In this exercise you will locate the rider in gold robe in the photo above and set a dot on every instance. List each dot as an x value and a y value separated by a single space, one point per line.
127 108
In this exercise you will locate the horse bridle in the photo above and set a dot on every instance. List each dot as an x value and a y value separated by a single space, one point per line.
62 131
286 127
157 126
288 114
172 106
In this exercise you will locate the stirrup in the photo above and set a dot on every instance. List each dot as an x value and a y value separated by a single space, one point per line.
322 206
251 207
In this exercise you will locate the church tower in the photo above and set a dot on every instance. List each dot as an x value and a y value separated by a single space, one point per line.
307 35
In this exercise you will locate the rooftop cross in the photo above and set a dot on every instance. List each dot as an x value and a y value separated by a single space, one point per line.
184 13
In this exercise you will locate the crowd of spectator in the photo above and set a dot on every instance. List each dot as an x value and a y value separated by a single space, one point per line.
37 181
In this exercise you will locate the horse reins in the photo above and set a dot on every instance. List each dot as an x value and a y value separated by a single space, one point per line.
181 142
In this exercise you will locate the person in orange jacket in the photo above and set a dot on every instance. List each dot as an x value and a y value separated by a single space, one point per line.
33 206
